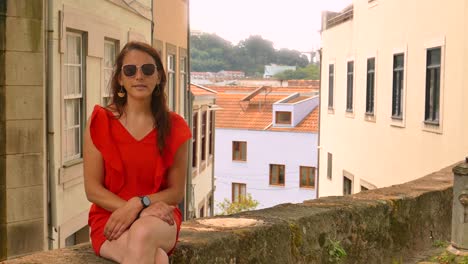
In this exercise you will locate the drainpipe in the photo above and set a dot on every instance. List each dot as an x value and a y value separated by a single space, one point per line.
50 168
319 148
152 22
189 113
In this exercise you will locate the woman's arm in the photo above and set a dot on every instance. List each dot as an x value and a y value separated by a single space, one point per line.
93 164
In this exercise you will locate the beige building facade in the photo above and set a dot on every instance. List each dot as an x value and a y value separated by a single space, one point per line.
202 155
393 92
56 60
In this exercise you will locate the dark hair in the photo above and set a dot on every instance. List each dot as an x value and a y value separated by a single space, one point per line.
159 107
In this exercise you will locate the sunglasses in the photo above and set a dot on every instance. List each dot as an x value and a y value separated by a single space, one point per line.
130 70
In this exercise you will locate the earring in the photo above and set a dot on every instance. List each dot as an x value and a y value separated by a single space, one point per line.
121 92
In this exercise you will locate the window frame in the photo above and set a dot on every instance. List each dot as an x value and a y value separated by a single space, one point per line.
203 142
283 113
370 87
428 114
106 93
308 176
331 85
242 148
183 71
329 166
398 87
194 140
350 86
80 97
280 167
238 186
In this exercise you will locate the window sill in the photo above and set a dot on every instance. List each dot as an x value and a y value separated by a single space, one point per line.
331 110
373 3
310 188
276 185
370 117
397 122
239 161
349 114
432 127
70 171
72 163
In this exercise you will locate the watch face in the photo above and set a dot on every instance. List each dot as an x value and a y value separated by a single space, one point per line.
146 201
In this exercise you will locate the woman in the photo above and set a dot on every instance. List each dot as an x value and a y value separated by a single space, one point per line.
135 161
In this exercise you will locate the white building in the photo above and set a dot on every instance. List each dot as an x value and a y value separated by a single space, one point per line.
393 93
266 145
271 70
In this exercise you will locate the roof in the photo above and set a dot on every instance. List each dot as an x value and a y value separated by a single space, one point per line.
201 90
257 113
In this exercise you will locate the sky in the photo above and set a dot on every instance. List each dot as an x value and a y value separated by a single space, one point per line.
291 24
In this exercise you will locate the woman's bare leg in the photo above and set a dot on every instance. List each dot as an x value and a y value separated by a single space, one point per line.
141 243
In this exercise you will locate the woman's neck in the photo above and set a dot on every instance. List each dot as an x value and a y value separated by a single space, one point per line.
138 107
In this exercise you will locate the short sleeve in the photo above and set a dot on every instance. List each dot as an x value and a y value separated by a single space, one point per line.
180 133
100 130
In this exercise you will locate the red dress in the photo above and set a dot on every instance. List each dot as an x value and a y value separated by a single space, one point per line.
131 167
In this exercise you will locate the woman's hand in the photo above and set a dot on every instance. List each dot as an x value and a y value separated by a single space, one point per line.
122 218
160 210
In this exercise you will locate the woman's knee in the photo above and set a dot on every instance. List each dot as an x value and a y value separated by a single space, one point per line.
152 230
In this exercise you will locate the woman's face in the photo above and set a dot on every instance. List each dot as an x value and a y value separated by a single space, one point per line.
139 74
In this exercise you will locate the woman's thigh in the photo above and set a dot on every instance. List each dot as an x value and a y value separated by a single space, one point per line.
155 231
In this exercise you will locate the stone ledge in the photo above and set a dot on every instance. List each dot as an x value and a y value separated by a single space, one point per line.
376 226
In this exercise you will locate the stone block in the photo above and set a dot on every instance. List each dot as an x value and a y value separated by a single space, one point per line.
2 101
2 67
24 68
25 237
24 136
3 242
24 203
24 102
25 8
3 207
24 170
23 34
2 29
2 170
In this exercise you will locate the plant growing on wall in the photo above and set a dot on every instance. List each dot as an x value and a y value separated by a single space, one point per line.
245 203
336 252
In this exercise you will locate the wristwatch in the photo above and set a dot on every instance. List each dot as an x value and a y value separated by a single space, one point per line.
145 201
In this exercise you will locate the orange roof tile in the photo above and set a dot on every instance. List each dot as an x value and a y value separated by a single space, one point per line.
200 90
257 114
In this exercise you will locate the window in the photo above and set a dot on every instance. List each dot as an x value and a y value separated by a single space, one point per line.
171 85
212 118
73 96
239 192
432 104
276 174
347 186
203 136
397 97
110 48
183 84
370 86
331 80
283 118
307 177
239 150
194 139
330 165
349 86
201 212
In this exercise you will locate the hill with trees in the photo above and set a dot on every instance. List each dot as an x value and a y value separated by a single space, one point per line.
209 52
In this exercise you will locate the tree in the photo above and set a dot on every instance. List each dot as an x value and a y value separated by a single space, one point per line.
245 203
311 72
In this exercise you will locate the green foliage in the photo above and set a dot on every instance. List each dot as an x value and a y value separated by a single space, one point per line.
445 258
440 243
311 72
209 52
336 253
246 203
397 261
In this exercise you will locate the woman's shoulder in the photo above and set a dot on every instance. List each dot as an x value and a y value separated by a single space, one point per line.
177 120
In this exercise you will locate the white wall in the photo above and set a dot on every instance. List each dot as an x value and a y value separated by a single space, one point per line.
264 148
381 151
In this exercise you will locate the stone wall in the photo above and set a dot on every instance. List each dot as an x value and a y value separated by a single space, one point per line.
21 127
377 226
